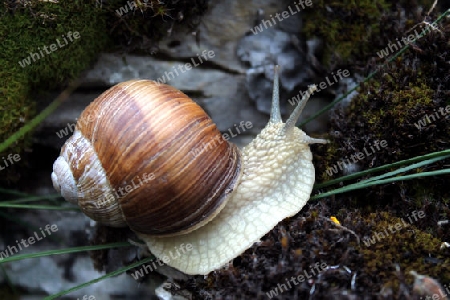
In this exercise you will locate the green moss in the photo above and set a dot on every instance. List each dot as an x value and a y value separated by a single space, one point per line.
398 106
16 109
404 108
346 27
30 64
43 23
409 247
325 159
404 104
353 30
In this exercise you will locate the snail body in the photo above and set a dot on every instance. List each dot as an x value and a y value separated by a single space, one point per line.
220 200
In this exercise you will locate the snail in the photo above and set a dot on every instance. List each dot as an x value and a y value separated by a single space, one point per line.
220 200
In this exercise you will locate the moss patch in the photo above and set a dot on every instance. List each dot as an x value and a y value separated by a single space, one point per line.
347 27
40 51
28 34
406 104
353 30
16 108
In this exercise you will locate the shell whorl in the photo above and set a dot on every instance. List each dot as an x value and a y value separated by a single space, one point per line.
81 179
142 127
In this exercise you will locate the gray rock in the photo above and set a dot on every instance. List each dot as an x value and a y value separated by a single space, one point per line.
220 30
47 274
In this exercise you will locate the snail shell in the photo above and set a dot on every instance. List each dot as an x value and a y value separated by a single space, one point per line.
142 128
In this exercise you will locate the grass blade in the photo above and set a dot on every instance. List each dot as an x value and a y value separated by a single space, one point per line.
47 207
368 183
31 199
41 116
63 251
445 153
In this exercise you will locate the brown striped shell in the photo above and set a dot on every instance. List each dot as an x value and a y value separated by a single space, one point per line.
150 158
